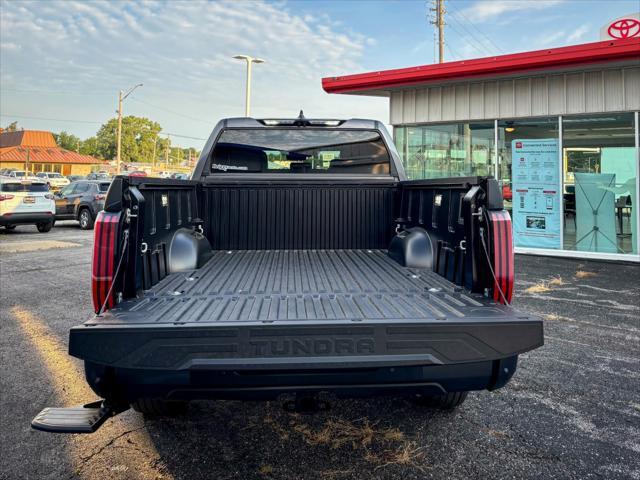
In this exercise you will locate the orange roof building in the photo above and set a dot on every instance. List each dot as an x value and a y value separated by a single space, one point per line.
37 151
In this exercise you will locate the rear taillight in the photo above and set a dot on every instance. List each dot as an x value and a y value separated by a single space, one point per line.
99 196
502 255
49 196
103 264
6 197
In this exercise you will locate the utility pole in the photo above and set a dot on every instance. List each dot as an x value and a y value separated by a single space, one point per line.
121 97
119 133
153 160
166 153
439 23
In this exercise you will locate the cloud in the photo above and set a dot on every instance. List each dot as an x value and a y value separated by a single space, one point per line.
182 52
579 33
484 10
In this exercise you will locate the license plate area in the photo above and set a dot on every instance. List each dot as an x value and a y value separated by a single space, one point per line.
29 200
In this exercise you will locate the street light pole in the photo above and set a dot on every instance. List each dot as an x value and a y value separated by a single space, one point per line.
250 61
121 97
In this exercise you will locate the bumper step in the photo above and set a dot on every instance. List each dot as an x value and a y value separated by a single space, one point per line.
81 419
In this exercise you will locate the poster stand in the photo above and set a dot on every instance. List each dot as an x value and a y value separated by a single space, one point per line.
596 232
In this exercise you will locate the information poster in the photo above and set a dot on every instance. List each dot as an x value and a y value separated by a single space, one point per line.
536 193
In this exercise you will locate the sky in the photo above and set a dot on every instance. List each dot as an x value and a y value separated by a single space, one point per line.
63 62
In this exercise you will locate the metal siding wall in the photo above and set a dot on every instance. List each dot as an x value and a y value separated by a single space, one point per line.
435 104
632 88
575 93
409 106
476 100
395 108
522 97
422 105
595 91
506 98
490 100
613 90
556 95
462 101
448 102
539 96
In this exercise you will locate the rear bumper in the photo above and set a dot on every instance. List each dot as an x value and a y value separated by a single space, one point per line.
128 385
26 218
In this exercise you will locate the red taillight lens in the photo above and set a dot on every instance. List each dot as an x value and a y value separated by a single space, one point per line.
105 239
6 197
48 196
99 196
502 255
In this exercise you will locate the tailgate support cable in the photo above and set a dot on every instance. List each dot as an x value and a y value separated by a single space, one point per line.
123 248
486 252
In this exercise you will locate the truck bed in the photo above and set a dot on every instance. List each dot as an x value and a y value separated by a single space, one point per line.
303 286
304 309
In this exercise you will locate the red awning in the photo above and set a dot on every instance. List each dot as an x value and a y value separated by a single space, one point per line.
627 50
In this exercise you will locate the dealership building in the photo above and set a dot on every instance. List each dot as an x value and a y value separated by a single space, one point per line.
558 128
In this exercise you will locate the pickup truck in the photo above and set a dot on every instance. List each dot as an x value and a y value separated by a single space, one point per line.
297 261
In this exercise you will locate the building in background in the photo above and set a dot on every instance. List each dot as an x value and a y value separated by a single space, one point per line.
37 151
557 127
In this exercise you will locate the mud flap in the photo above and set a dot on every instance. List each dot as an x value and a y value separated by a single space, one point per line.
81 419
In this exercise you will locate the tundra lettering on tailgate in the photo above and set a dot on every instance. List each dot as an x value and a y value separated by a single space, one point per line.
314 346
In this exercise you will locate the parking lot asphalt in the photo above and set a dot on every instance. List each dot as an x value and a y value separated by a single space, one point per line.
571 411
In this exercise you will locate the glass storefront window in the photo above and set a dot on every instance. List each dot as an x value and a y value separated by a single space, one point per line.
451 150
600 169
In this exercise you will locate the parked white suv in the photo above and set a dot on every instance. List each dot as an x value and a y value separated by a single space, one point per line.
26 202
53 179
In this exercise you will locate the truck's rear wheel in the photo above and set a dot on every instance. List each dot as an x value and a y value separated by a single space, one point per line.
446 401
156 407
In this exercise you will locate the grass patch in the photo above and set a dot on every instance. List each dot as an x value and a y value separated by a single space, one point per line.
266 470
540 287
379 446
338 433
585 274
407 454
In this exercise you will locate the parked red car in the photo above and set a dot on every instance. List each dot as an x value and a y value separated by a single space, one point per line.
138 173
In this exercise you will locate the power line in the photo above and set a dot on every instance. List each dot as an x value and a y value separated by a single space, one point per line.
459 12
27 117
59 92
171 111
474 45
104 93
180 136
8 115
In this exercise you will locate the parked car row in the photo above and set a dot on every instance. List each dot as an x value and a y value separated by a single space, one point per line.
31 202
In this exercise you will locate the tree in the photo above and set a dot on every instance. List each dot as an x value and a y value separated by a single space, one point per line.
90 147
12 127
67 141
138 136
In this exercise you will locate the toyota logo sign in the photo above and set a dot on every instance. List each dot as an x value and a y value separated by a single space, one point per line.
622 27
625 28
